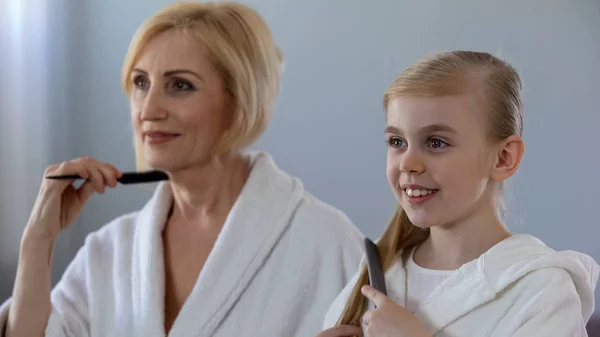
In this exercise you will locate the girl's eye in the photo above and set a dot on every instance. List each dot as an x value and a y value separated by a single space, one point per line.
395 142
437 143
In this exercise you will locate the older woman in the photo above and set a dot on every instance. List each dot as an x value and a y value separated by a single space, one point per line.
231 245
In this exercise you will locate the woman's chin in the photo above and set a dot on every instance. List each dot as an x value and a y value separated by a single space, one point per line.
167 166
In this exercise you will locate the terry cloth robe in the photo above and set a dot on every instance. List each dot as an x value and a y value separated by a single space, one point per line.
518 288
281 258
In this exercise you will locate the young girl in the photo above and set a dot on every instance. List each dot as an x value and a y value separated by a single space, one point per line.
454 126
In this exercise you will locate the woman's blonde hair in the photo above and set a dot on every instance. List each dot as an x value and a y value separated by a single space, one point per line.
445 73
242 49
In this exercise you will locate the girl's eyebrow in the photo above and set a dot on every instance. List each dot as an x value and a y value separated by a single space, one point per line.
426 129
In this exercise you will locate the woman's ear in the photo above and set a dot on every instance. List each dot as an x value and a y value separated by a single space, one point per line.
508 158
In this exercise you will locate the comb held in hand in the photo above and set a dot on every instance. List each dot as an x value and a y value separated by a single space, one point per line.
126 179
374 267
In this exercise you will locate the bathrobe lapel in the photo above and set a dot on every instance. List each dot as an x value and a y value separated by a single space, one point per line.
256 222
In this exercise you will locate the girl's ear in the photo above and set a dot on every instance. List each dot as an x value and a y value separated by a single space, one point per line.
508 158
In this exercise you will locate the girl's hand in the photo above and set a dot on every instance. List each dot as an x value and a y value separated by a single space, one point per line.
390 319
342 331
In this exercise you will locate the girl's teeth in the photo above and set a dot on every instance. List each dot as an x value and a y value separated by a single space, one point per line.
417 193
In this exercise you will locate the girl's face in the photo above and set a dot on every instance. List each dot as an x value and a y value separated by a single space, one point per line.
441 164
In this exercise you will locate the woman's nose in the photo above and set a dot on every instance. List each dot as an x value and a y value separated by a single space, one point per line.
153 107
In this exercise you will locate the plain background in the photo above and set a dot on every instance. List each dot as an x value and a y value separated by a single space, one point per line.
60 98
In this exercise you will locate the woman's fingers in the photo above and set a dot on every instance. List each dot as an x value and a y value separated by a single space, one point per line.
96 178
110 174
85 191
59 202
97 174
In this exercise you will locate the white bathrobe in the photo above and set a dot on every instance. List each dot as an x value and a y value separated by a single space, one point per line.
278 263
519 287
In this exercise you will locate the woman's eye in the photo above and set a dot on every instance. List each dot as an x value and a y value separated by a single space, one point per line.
140 82
436 143
182 85
395 142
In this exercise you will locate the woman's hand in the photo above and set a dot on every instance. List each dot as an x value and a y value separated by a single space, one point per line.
341 331
57 206
390 319
59 203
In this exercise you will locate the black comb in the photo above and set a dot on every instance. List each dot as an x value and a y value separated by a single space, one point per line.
126 179
374 267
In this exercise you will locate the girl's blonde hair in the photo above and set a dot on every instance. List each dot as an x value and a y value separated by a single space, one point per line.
242 49
445 73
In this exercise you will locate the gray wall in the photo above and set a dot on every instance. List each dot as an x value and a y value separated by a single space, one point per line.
327 128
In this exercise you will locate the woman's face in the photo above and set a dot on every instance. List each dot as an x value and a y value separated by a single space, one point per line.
179 107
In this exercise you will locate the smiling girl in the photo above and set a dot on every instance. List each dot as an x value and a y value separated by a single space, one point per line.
454 128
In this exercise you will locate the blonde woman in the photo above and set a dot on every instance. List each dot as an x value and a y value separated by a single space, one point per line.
231 245
452 268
